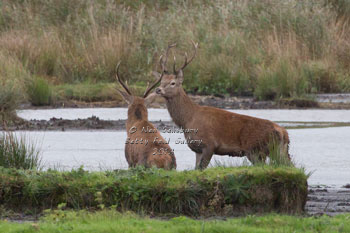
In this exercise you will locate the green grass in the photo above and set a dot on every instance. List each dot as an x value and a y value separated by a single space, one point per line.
214 191
271 50
112 221
18 152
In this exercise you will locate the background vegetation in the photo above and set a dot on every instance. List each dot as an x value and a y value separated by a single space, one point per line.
269 49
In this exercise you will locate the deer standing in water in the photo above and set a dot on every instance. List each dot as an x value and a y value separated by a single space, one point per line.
144 145
219 132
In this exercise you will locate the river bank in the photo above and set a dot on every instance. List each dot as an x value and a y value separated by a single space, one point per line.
320 101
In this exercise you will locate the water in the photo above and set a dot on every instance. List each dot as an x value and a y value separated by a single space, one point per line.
162 114
333 98
323 151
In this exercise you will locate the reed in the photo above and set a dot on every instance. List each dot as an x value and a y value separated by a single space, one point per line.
246 47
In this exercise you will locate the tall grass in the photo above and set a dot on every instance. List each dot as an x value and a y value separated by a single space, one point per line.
11 74
262 48
18 153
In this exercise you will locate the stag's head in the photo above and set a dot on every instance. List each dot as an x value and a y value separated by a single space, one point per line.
171 82
136 105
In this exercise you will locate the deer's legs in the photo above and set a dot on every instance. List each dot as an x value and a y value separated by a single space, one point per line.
198 159
203 159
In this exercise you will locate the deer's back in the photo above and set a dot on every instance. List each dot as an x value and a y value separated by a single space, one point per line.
151 151
231 130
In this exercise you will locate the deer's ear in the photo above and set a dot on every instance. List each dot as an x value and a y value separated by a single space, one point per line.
180 76
150 98
156 74
128 98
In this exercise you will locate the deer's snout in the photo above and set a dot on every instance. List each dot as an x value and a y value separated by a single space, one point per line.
158 91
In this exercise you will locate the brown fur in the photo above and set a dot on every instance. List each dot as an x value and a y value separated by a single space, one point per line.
144 145
222 132
141 154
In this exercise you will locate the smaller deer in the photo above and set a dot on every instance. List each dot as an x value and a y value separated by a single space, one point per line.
144 144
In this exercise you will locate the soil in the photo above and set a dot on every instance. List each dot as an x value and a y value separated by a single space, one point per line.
321 201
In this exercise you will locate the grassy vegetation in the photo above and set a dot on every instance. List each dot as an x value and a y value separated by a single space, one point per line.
39 92
214 191
269 49
112 221
18 153
11 77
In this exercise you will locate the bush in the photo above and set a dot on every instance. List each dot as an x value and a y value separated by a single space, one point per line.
18 153
280 80
39 92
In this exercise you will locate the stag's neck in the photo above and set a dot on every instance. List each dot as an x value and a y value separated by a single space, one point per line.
181 108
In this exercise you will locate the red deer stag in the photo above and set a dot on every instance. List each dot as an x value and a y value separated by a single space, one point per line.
144 144
218 131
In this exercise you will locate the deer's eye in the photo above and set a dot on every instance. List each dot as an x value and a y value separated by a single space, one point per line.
172 83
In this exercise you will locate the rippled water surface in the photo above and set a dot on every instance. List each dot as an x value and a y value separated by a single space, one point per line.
323 151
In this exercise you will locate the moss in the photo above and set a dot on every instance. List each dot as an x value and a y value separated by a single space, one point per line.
212 191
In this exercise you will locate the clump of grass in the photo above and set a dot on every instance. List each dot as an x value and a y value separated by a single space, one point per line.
18 153
277 156
39 92
214 191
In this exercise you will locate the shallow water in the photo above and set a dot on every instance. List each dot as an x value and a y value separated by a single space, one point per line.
316 115
325 152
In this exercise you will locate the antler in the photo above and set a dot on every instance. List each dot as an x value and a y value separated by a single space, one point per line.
195 45
162 63
149 89
120 80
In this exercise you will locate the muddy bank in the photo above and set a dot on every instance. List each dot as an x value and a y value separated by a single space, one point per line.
95 123
320 201
335 101
327 200
91 123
